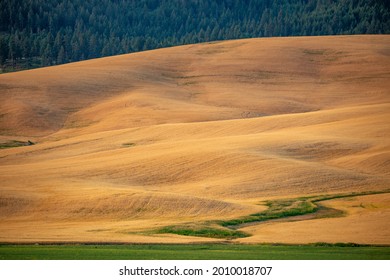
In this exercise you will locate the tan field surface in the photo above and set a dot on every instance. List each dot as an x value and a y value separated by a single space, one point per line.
129 144
366 221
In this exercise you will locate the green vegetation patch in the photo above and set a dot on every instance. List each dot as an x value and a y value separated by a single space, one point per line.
192 252
128 144
284 208
14 144
203 231
277 209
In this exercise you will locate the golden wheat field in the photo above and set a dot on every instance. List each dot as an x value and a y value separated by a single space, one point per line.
129 144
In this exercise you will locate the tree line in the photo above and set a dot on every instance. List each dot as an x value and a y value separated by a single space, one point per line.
36 33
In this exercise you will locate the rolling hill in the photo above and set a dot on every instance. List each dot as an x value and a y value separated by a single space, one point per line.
127 145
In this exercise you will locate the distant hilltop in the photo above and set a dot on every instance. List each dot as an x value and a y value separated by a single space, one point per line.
41 33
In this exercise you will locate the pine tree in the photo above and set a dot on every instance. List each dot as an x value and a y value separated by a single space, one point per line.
61 56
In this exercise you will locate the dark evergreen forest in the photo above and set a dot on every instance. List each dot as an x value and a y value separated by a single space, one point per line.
37 33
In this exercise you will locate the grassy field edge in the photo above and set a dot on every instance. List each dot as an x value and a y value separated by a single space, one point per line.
276 210
317 251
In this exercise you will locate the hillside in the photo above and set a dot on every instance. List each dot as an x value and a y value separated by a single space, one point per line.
126 145
36 33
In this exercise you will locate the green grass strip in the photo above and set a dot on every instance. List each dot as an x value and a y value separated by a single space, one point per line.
14 144
277 209
283 208
192 252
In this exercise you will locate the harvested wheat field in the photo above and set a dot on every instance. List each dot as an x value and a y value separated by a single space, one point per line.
185 144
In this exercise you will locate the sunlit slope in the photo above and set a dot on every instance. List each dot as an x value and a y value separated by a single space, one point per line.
130 143
233 79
